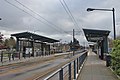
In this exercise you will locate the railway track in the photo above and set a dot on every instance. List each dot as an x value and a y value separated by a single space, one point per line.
37 69
41 76
21 66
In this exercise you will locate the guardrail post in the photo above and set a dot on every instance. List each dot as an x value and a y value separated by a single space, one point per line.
61 74
82 58
29 54
9 56
74 70
19 54
77 65
2 56
13 55
69 71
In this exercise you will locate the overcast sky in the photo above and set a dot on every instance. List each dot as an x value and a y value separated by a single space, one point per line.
60 26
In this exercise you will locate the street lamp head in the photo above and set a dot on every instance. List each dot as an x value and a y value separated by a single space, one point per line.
113 10
0 18
90 9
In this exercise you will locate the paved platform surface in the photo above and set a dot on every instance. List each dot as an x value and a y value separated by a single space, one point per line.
95 69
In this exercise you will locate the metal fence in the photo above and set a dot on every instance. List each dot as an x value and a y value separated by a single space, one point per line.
8 56
70 70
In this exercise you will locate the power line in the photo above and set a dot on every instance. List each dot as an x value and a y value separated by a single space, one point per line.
67 11
66 8
26 12
39 15
70 13
31 15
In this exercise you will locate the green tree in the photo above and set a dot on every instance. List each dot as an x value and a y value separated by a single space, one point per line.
11 42
6 42
1 38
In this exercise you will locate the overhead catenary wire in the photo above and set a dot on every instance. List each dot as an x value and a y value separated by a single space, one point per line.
39 15
71 14
66 8
28 13
50 24
67 11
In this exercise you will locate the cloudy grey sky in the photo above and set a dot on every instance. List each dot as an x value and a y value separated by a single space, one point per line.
60 25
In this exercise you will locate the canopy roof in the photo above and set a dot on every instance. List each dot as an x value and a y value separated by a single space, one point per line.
95 35
34 37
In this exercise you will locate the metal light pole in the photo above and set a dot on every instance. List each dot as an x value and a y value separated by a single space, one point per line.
113 10
73 42
114 23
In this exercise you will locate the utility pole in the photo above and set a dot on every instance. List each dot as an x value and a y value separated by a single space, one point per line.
73 42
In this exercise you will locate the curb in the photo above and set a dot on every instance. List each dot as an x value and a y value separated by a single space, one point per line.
81 67
114 73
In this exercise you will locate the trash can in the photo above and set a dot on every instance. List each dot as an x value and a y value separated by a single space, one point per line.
108 60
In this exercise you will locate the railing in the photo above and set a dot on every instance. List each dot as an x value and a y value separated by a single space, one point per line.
7 56
70 70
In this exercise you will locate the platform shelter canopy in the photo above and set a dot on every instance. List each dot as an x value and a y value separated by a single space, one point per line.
93 35
34 36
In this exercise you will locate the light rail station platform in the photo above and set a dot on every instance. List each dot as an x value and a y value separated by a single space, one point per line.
95 69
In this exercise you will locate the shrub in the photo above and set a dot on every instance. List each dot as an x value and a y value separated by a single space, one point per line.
115 54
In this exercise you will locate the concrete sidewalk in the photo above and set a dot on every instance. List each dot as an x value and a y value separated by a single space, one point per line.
95 69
